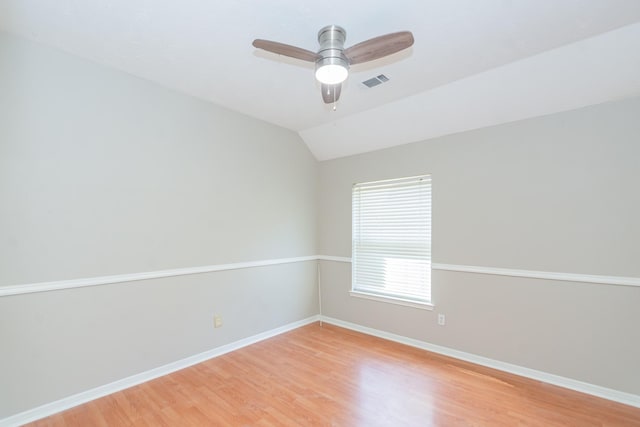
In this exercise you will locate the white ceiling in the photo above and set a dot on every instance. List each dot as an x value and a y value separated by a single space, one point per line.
474 63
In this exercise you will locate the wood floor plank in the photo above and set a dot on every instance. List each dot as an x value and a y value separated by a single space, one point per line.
323 375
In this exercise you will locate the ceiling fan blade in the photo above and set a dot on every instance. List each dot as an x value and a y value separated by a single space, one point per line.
331 93
379 47
286 50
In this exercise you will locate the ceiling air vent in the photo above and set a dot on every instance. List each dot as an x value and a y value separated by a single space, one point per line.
375 81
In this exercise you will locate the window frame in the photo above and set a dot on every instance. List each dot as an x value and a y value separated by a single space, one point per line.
417 183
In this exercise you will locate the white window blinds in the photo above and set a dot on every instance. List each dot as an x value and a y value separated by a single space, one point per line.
391 252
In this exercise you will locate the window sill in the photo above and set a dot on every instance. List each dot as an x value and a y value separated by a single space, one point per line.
391 300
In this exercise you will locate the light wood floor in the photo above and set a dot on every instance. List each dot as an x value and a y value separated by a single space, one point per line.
329 376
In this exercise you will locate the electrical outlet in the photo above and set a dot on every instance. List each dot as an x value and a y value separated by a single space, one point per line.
217 321
441 319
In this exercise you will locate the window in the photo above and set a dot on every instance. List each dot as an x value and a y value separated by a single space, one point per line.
391 242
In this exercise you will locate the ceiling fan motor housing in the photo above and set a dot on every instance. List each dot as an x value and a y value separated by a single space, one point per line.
331 39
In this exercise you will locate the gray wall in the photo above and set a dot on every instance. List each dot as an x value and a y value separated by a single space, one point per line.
557 193
102 173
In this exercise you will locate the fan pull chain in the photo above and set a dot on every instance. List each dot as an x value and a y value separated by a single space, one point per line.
334 99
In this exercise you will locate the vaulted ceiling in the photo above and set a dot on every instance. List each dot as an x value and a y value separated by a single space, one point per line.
474 63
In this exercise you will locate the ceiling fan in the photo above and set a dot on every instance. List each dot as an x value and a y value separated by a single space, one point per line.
333 60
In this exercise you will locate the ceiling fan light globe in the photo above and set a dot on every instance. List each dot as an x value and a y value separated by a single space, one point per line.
331 74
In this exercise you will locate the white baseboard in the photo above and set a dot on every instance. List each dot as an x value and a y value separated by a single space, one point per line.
594 390
95 393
